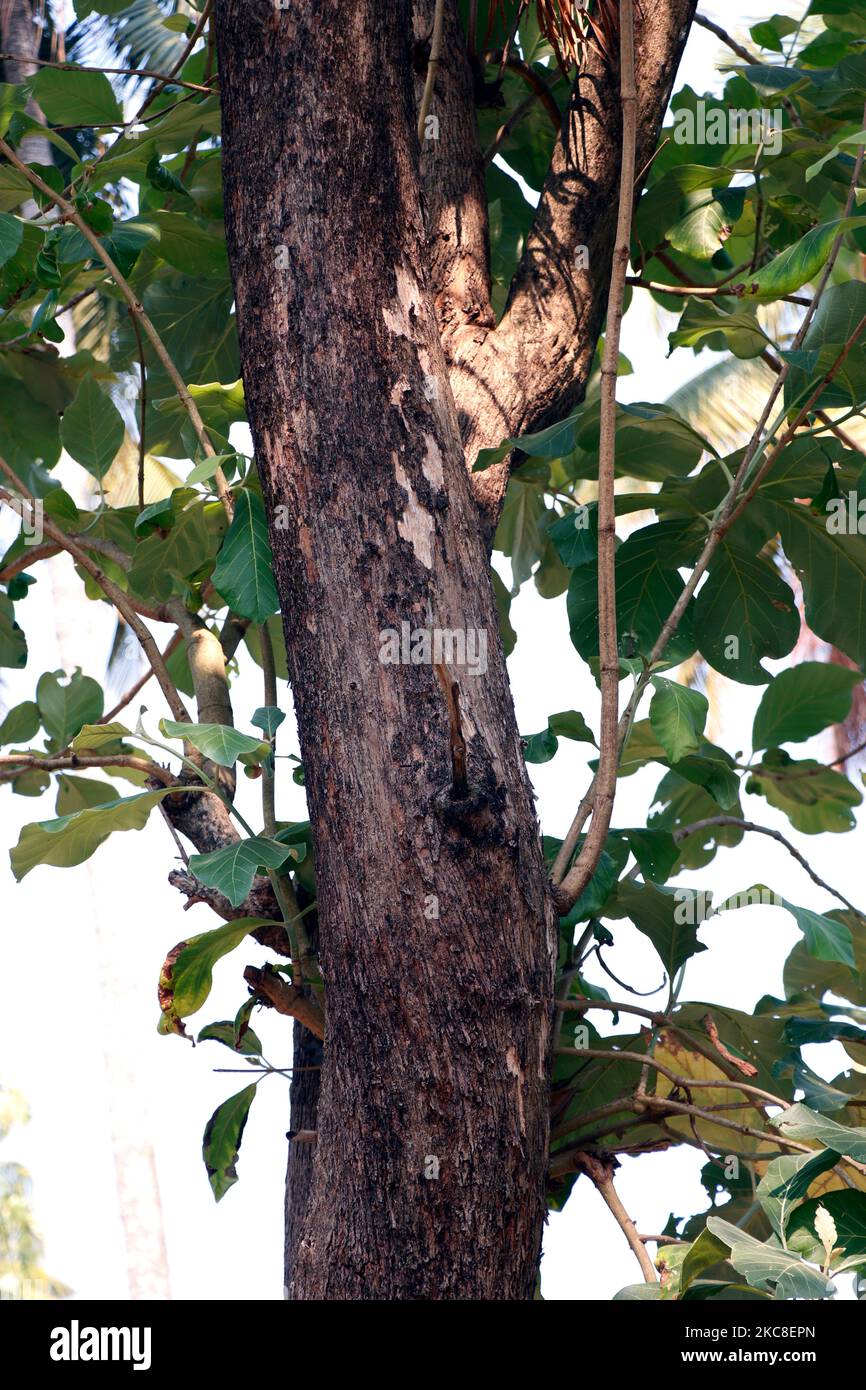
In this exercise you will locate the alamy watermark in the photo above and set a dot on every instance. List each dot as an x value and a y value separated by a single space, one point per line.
719 126
435 646
31 516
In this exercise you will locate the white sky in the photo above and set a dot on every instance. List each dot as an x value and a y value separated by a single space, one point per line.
69 936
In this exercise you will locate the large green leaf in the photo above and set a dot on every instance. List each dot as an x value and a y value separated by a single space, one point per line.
813 797
798 263
799 1122
670 920
11 233
72 839
244 571
222 1140
181 553
826 938
13 644
189 247
744 612
704 324
66 708
647 587
219 742
706 226
76 98
677 715
786 1181
802 701
769 1267
29 429
233 869
187 974
848 1210
92 429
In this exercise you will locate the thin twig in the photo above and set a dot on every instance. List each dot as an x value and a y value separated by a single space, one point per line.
432 67
12 764
166 78
686 830
113 592
575 880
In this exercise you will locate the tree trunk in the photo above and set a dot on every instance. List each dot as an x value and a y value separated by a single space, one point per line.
437 933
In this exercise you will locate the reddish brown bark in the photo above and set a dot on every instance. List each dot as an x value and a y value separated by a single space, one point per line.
373 372
436 930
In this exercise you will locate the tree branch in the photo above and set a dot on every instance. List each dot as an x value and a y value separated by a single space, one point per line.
113 592
272 990
686 830
600 1171
605 789
532 369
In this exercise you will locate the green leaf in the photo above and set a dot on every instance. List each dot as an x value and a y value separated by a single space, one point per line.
76 98
11 234
13 644
768 1267
706 1251
648 585
799 1122
244 573
72 839
848 1210
669 920
100 738
92 428
831 567
232 870
540 748
188 247
744 612
813 797
224 1032
802 701
268 718
707 225
21 724
826 938
677 715
219 742
187 973
28 428
797 264
705 324
77 793
65 709
182 553
222 1140
786 1181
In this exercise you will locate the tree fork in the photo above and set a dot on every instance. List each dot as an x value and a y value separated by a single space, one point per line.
437 934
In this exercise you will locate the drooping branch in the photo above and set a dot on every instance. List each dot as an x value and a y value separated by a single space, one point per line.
710 821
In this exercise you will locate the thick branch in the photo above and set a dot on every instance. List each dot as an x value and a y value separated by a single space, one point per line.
532 369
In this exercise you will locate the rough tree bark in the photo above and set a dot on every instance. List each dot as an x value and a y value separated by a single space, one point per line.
373 372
